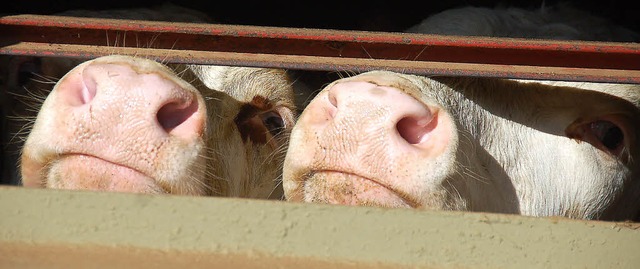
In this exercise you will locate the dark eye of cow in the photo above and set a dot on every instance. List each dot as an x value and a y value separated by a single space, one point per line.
608 134
273 122
258 126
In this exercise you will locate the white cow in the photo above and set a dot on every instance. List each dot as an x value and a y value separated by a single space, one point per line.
479 144
120 123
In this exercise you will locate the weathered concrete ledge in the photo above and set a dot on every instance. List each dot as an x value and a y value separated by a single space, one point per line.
63 229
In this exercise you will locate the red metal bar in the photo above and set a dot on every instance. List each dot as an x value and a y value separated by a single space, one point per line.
333 63
318 49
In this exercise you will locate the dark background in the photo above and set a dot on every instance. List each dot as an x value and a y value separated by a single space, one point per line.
373 15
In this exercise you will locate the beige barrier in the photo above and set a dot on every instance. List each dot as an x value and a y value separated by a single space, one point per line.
64 229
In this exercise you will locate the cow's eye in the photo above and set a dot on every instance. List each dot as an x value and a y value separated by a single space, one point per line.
608 134
273 122
260 126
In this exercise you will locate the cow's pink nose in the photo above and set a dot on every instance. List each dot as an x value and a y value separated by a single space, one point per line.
118 91
411 120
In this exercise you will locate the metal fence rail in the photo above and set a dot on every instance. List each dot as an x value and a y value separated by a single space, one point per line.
317 49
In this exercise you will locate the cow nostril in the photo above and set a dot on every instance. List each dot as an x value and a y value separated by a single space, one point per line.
89 89
332 98
173 114
415 129
79 89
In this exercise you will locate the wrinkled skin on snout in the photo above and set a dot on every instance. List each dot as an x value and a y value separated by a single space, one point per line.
476 144
120 123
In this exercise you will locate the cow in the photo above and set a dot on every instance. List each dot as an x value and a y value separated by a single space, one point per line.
124 123
536 148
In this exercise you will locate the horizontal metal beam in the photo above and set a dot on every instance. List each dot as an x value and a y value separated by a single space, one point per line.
330 63
69 229
320 49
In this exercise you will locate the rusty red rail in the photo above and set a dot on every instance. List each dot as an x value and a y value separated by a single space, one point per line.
317 49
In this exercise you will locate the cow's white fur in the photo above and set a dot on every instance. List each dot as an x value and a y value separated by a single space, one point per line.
562 22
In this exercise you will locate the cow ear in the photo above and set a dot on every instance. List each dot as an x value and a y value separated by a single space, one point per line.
614 134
